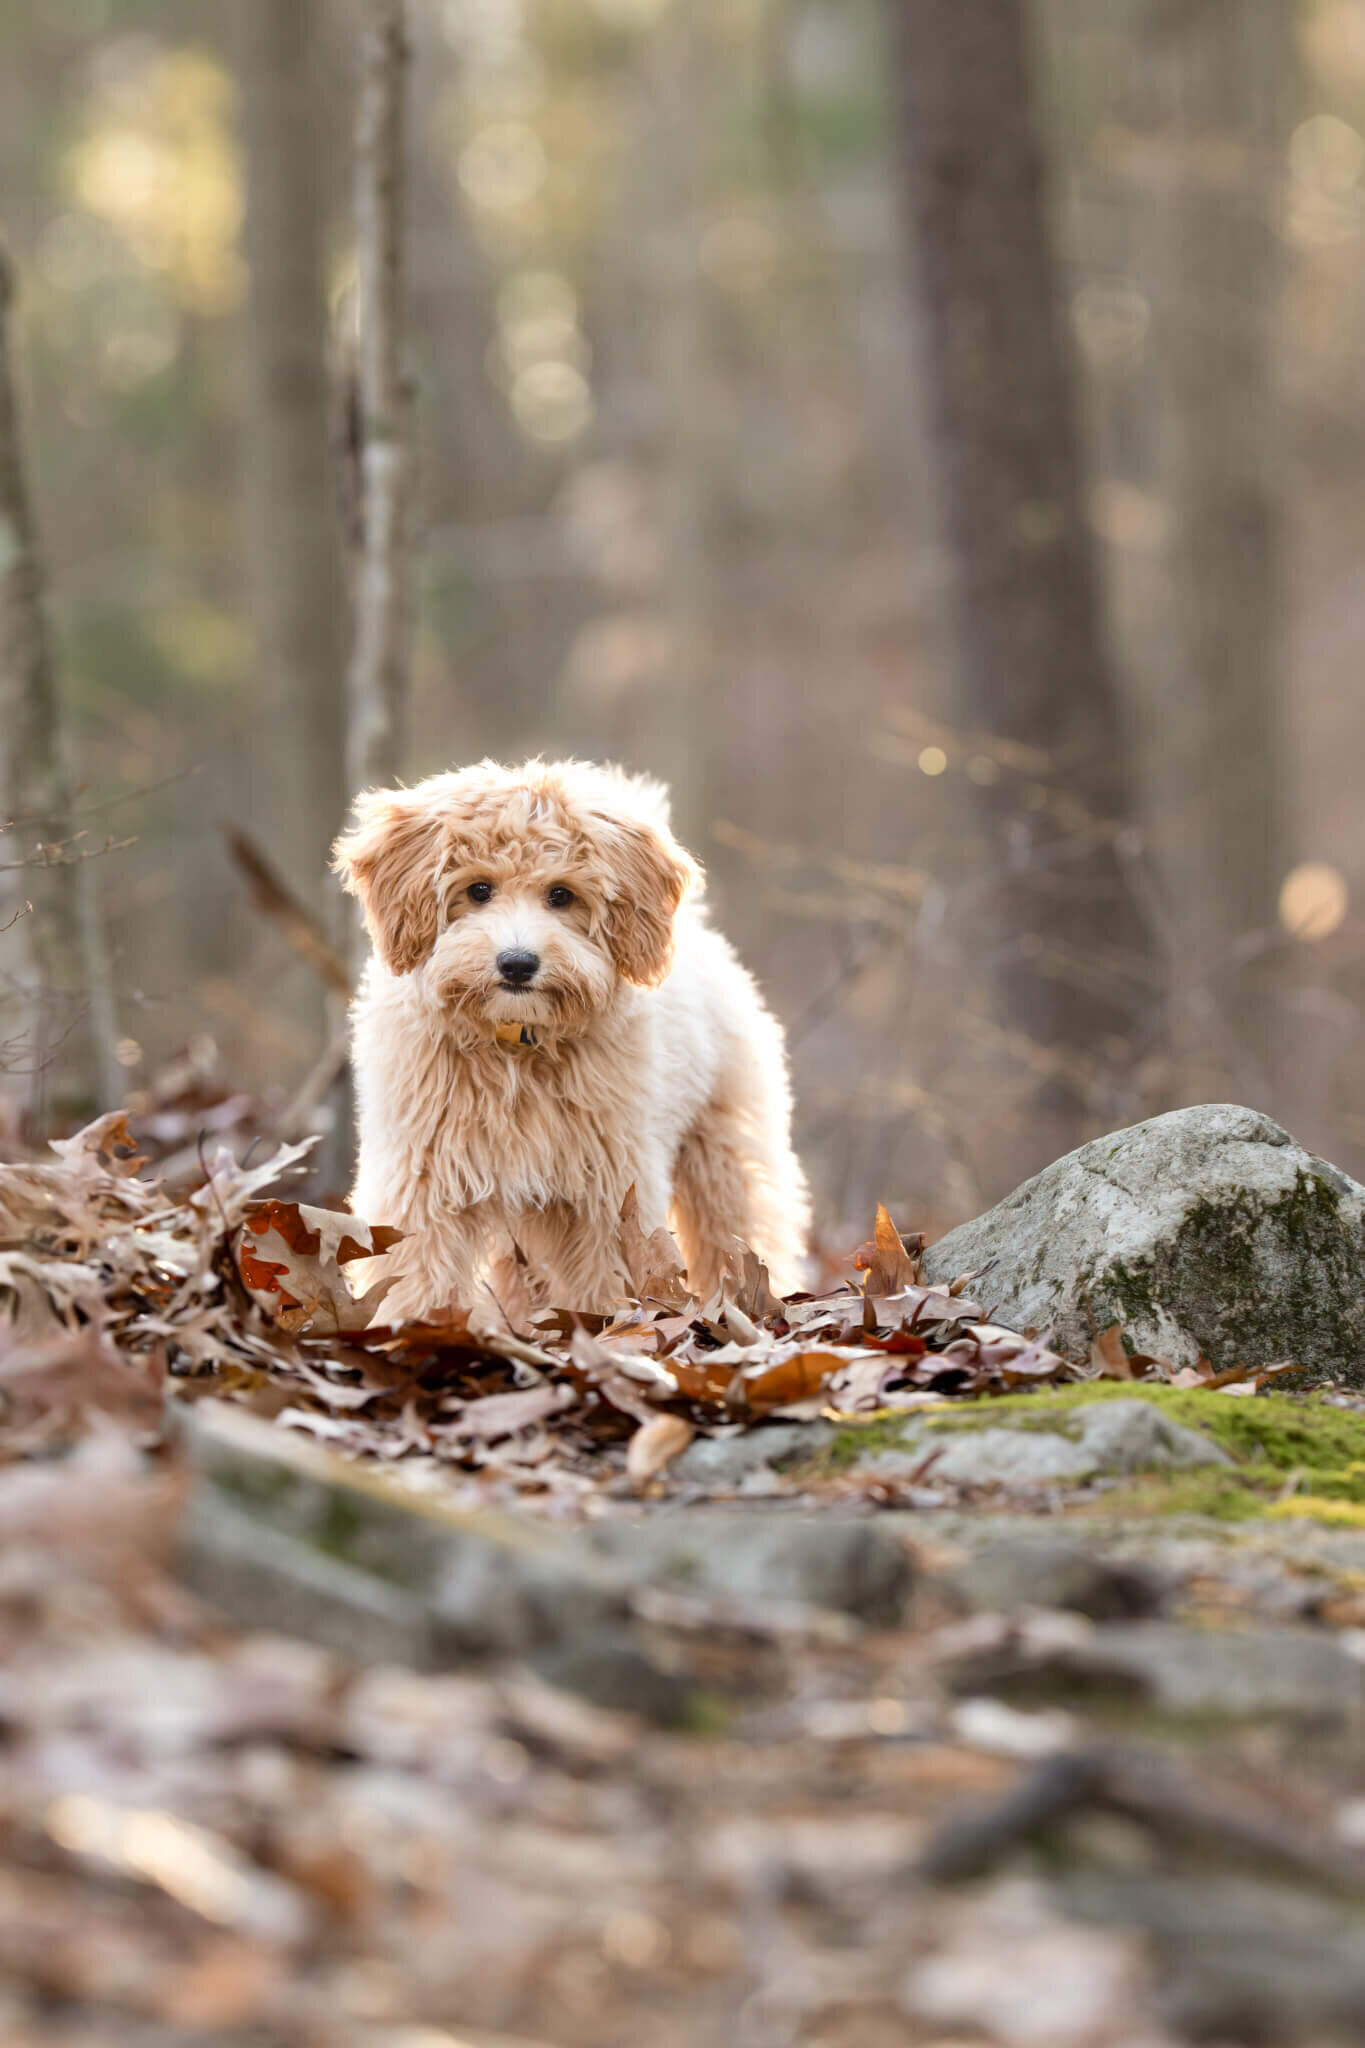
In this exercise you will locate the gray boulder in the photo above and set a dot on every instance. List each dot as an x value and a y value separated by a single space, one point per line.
1207 1230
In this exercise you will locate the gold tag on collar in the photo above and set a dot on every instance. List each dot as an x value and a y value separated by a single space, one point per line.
516 1035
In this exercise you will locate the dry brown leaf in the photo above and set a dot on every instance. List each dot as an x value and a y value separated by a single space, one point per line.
892 1265
653 1445
291 1255
653 1262
1108 1355
747 1285
604 1373
962 1281
705 1379
1249 1376
231 1189
107 1142
499 1415
796 1377
75 1372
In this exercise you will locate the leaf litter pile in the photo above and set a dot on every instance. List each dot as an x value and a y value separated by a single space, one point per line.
234 1291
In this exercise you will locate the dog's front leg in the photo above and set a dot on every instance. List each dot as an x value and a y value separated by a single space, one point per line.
433 1269
573 1258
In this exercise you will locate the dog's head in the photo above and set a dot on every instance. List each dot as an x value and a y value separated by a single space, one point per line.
524 894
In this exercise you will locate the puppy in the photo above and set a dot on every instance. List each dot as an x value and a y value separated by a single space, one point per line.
547 1022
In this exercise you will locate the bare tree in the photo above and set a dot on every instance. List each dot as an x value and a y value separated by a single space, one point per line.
379 674
1221 74
61 975
297 569
1074 963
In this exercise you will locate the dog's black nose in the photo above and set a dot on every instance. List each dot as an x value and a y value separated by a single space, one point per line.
518 968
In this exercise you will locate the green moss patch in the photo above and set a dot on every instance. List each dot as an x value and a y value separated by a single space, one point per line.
1269 1437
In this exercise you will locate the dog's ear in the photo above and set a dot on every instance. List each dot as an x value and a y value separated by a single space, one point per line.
389 860
652 875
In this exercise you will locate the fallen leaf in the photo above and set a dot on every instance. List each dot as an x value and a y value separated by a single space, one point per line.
794 1378
107 1141
748 1287
653 1445
500 1415
1108 1355
653 1262
290 1257
892 1266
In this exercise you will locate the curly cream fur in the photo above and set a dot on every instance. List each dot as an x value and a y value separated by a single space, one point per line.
657 1064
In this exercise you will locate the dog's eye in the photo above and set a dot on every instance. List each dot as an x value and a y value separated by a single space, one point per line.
479 892
559 898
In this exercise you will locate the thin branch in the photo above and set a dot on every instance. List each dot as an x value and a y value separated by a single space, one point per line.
104 803
316 1086
57 853
271 894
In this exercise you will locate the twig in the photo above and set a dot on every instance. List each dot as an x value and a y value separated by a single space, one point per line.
273 896
104 803
316 1084
54 853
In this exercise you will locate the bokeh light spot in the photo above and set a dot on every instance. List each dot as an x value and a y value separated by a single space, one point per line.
932 761
551 401
538 322
1314 899
1326 153
503 168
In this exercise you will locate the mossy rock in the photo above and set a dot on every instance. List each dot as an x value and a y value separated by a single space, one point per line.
1272 1443
1204 1231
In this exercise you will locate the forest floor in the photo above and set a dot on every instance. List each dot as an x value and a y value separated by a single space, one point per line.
536 1736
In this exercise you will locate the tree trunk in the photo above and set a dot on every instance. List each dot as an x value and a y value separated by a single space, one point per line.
65 1031
378 693
679 722
1075 964
1224 68
293 530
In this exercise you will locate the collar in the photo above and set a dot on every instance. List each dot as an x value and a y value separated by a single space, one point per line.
515 1037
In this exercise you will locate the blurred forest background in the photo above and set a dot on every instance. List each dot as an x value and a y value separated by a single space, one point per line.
998 621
